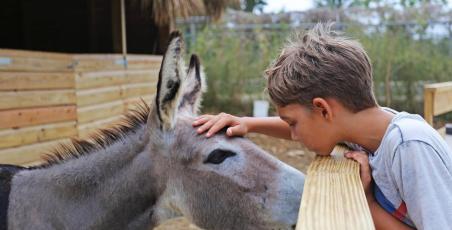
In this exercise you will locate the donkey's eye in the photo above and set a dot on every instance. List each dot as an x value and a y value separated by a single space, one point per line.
217 156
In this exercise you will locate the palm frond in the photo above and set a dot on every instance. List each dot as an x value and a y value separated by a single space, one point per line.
166 11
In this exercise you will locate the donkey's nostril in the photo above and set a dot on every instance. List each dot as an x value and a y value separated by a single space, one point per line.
293 226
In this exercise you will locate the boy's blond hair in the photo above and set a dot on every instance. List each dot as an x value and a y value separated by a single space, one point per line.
319 63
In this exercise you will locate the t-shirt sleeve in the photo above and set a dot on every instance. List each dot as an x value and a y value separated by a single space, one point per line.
425 184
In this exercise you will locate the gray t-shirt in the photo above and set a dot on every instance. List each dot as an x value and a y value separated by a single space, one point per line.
412 171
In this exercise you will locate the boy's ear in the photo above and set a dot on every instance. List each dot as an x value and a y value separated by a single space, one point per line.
323 107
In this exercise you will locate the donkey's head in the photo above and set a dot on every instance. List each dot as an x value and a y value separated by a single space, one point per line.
219 182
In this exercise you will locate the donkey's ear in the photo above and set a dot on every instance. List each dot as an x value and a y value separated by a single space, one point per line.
193 88
171 76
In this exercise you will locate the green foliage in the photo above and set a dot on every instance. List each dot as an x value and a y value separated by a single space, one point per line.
251 5
234 62
407 63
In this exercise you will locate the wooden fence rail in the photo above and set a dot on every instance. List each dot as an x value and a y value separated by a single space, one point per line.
333 195
46 97
437 100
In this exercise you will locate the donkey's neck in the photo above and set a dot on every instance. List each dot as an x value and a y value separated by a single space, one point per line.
111 188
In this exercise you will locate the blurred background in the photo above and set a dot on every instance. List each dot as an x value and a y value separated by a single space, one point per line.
408 41
70 67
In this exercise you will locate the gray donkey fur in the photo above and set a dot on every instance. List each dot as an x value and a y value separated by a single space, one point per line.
155 167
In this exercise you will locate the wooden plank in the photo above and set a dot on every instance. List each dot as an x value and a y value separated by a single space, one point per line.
29 153
35 116
131 103
36 81
142 76
98 95
87 129
92 62
18 60
144 61
23 99
442 102
100 111
139 89
29 135
439 87
333 195
34 54
111 78
428 106
32 61
100 79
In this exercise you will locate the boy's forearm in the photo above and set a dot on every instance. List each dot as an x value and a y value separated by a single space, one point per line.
384 220
271 126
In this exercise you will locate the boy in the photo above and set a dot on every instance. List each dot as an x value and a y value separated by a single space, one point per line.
321 85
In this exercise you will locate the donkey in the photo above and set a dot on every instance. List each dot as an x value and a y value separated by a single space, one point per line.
153 167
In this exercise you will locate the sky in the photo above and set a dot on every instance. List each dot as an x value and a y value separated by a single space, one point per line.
288 5
276 6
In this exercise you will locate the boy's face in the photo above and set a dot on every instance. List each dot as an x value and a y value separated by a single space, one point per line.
311 127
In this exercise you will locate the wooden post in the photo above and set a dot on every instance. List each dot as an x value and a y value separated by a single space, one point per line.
437 100
333 195
123 33
428 105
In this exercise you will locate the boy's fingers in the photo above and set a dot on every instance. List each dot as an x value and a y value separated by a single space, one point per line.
363 161
229 132
361 158
234 131
201 120
207 125
202 116
364 168
219 124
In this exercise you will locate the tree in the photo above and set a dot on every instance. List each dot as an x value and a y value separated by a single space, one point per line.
165 12
251 5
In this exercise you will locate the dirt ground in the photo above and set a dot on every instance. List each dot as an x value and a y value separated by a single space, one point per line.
290 152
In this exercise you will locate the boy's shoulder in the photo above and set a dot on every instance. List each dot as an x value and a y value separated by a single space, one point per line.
411 128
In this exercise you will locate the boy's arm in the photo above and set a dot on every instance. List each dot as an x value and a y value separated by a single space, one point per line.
271 126
381 218
239 126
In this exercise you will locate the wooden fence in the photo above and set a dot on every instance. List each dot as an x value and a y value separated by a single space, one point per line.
437 100
333 195
46 98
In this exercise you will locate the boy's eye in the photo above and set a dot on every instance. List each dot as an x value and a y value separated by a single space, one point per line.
217 156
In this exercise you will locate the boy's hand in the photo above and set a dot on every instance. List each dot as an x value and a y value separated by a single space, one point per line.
364 171
214 123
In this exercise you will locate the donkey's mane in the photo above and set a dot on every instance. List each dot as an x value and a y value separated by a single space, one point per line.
102 138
